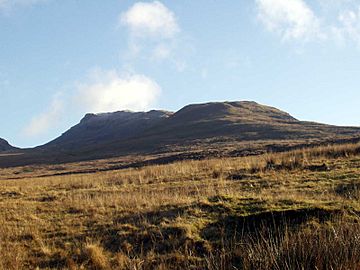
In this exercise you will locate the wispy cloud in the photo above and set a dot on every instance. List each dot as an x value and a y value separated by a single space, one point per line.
335 20
49 118
291 19
9 5
348 27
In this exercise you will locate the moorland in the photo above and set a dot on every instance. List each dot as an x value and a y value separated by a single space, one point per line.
290 210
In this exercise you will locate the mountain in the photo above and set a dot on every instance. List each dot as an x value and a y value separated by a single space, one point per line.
5 146
196 121
218 127
198 125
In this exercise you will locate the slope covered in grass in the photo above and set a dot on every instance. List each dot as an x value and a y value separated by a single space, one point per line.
295 210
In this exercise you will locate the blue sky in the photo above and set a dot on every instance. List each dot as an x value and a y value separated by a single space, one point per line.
61 59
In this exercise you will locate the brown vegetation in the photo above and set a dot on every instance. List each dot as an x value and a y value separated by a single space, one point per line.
293 210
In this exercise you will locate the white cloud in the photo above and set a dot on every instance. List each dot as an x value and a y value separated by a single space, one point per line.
150 20
110 91
46 120
291 19
154 33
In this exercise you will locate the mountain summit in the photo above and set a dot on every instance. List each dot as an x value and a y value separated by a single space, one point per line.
239 111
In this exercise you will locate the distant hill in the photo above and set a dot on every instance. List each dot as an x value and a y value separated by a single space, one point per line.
223 127
5 146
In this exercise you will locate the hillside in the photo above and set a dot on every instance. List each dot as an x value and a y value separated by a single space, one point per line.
5 146
197 130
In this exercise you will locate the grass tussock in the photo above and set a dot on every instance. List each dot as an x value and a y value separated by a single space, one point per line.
293 210
96 257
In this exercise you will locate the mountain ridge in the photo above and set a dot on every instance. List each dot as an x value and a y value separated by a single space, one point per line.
222 127
159 131
187 122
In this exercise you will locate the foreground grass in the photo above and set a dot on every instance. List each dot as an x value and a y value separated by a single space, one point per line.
296 210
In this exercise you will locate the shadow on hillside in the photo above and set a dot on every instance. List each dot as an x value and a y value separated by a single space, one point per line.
234 226
165 231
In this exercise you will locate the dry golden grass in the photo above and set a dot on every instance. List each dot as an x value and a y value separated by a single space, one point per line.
276 211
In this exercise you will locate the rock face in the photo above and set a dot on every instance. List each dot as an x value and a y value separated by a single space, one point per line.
5 146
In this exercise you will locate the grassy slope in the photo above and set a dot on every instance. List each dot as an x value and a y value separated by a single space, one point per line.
283 211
